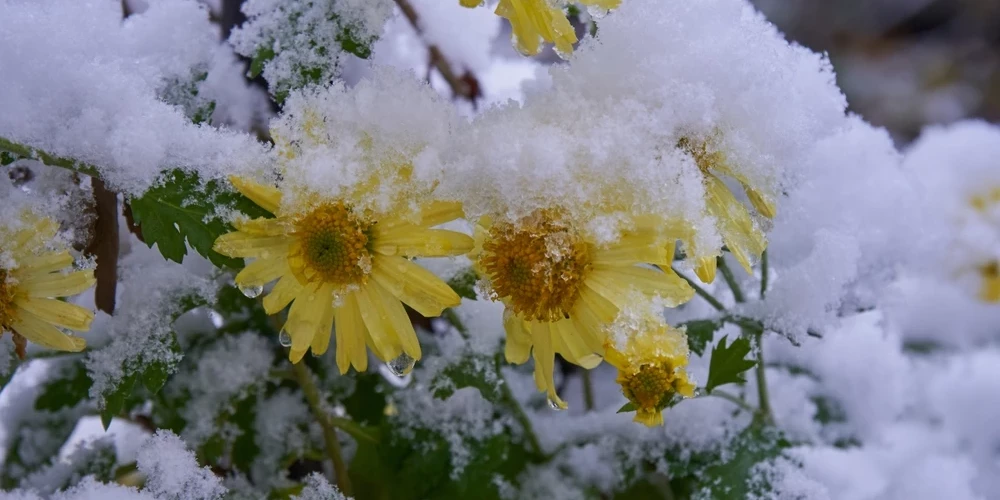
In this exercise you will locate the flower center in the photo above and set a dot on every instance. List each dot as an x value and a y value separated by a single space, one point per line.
536 267
334 245
651 387
6 300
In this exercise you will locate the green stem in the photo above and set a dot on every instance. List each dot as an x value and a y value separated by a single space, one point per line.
329 432
727 274
733 399
763 401
588 391
23 151
763 274
701 291
515 406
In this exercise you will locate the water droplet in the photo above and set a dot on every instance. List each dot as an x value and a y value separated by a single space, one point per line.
555 406
402 365
285 339
251 292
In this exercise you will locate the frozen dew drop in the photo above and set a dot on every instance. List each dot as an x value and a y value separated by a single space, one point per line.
285 339
251 292
555 406
402 365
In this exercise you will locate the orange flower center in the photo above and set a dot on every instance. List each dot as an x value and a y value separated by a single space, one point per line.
536 267
333 245
651 387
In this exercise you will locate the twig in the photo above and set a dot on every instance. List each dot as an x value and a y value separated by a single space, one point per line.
733 399
466 85
50 160
701 291
104 245
727 274
763 274
311 393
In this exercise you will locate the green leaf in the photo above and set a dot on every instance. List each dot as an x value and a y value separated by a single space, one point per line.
181 207
65 391
735 477
700 333
351 44
474 371
114 399
728 363
464 283
260 58
627 407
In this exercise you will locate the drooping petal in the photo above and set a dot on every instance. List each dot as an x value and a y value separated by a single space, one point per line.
395 315
706 269
56 312
613 282
305 319
544 354
417 287
380 330
415 241
745 241
56 284
570 343
532 20
351 335
287 288
518 346
38 331
266 197
649 417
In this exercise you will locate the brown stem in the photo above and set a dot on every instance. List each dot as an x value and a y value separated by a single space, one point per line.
104 245
465 85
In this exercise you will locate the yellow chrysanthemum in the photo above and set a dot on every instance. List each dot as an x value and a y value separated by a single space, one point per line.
31 280
651 367
560 288
744 239
535 21
345 270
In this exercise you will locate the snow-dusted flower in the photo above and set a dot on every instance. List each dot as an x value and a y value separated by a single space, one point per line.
742 236
535 21
560 287
32 279
336 264
651 357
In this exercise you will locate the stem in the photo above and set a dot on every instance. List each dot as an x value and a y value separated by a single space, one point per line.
515 406
329 432
763 274
465 86
730 279
449 314
588 391
50 160
701 291
733 399
763 401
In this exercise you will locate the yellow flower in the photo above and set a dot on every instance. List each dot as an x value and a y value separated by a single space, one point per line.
31 280
651 367
346 270
534 21
744 239
560 287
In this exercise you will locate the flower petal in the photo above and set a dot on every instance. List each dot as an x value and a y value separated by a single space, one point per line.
611 282
56 312
321 341
351 335
38 331
544 354
518 346
415 241
305 319
56 284
266 197
287 288
381 332
240 244
415 286
44 263
742 237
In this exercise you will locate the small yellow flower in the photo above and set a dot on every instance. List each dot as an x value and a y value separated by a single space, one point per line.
535 21
651 365
31 280
742 236
347 270
560 288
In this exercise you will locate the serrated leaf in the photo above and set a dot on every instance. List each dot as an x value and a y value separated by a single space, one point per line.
735 477
700 333
728 363
627 407
474 371
182 208
464 283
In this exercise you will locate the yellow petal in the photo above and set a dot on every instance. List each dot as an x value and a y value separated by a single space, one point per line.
649 418
990 291
44 263
432 214
415 241
569 342
266 197
518 346
321 341
265 227
531 20
470 3
305 319
38 331
351 336
395 315
56 284
613 282
239 244
706 269
287 288
588 320
745 241
263 271
417 287
57 312
604 4
544 355
39 231
636 250
380 330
